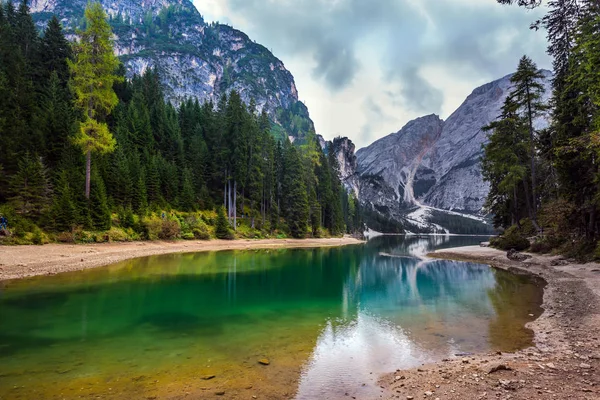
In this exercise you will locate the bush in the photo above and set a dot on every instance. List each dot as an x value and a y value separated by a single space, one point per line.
81 236
153 227
122 235
170 229
188 236
38 237
201 232
582 250
65 237
512 238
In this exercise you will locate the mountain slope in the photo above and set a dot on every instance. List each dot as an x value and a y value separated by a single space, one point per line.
194 59
431 166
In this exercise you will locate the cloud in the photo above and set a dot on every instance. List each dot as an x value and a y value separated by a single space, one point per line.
377 118
406 57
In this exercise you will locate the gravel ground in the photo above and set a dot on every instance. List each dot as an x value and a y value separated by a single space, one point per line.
564 363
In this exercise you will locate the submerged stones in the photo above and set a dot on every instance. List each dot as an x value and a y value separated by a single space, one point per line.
264 361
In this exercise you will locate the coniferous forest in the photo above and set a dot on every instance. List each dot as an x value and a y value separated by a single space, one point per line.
89 155
545 183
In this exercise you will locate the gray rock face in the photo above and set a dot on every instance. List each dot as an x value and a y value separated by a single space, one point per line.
434 163
344 151
455 157
194 59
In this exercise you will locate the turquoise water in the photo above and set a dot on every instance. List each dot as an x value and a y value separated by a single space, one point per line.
329 321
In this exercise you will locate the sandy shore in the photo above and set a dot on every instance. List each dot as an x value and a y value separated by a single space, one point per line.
24 261
564 363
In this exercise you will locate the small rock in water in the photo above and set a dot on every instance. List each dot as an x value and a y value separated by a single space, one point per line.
264 361
428 393
551 365
220 393
465 360
409 397
208 377
585 366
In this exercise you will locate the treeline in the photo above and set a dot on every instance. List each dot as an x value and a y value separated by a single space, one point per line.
546 182
83 148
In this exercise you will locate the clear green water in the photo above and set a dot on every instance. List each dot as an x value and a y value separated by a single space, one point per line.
328 320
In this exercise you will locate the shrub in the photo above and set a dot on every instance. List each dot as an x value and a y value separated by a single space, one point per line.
65 237
38 237
201 231
122 235
512 238
170 229
153 227
188 236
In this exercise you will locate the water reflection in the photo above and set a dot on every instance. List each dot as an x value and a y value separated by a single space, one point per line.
328 319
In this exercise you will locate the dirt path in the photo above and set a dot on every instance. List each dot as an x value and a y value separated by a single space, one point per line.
563 364
24 261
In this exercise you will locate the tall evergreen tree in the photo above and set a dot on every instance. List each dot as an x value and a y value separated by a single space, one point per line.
527 94
30 187
94 74
56 51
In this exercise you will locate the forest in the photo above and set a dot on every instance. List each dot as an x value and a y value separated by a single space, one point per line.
87 155
545 183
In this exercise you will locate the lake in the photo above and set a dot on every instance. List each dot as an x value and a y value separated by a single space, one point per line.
329 321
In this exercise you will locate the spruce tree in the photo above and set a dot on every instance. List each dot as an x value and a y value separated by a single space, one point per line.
505 165
30 187
56 50
222 230
98 205
64 210
527 94
296 207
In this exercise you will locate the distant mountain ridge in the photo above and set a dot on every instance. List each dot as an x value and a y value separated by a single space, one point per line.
432 166
195 59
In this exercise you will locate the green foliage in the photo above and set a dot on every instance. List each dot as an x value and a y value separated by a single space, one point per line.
64 210
29 187
565 154
512 238
222 230
93 78
149 156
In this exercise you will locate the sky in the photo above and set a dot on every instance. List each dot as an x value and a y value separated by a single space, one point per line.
364 68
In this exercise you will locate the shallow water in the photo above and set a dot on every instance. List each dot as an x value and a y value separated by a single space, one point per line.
330 321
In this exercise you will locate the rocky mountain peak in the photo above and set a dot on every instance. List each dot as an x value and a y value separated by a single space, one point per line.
434 164
194 59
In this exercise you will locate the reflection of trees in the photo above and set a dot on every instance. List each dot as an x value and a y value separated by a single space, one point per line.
513 298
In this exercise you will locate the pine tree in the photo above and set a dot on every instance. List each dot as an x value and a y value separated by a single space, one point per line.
295 200
64 211
139 198
98 205
222 230
527 94
30 188
57 119
93 78
187 199
56 50
505 165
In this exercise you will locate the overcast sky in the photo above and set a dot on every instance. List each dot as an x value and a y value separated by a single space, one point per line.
365 68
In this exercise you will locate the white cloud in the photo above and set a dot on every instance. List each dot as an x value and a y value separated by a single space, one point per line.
364 68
